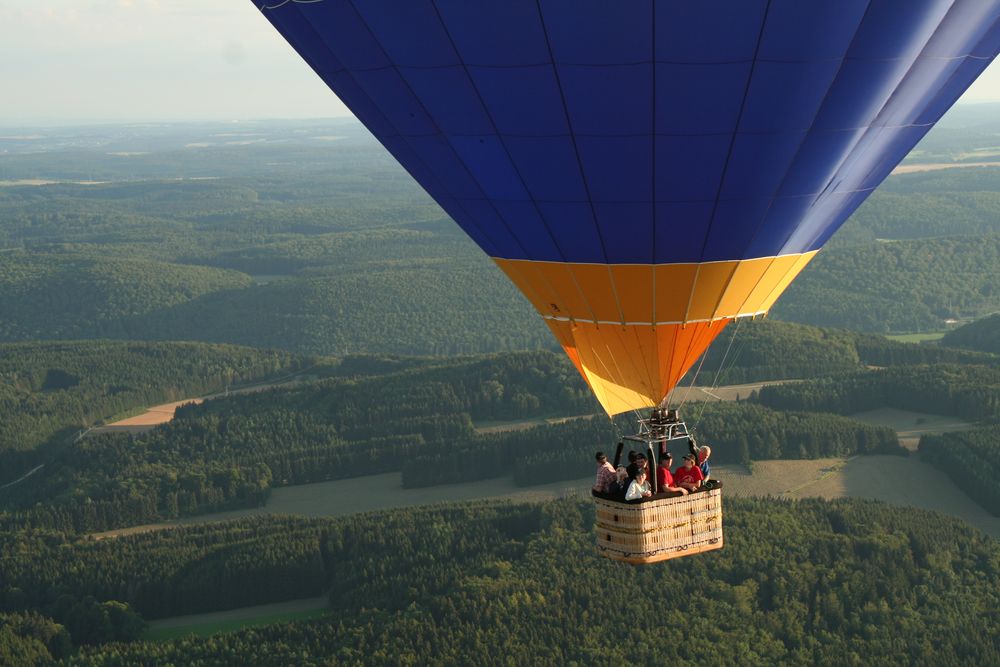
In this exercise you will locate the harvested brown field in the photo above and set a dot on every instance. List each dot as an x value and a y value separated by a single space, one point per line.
156 415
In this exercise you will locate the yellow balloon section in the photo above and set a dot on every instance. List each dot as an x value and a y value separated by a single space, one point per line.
633 331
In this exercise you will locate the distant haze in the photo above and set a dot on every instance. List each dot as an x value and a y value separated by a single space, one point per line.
68 61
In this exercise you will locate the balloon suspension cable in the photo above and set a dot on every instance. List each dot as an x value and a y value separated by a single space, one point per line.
694 379
614 426
718 373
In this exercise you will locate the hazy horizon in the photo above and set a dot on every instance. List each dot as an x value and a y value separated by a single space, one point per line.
84 62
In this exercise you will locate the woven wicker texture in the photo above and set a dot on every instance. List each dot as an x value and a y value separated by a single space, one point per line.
659 529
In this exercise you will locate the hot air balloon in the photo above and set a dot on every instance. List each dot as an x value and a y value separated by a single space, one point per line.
645 171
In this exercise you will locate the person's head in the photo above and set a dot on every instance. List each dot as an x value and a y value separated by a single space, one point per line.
632 456
688 461
666 460
641 460
601 458
622 473
704 453
640 476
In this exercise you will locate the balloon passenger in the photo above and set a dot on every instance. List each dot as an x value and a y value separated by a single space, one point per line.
605 473
688 475
632 465
639 488
703 453
664 478
619 487
640 463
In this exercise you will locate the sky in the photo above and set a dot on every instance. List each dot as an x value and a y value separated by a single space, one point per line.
80 61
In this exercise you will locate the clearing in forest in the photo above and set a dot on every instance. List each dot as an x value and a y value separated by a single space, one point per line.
230 620
911 425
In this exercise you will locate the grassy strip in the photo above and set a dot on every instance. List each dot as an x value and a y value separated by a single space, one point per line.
155 634
916 337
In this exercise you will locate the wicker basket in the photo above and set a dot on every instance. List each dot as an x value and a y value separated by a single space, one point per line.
659 529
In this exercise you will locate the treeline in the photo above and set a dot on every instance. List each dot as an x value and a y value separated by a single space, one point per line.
29 639
738 433
229 453
97 589
971 459
912 285
807 582
435 306
46 388
982 335
67 294
956 202
970 392
750 351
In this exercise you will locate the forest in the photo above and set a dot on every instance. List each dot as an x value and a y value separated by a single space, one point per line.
60 388
982 335
419 416
230 452
807 582
204 244
971 459
968 391
408 351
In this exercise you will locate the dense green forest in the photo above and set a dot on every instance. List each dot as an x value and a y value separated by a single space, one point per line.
931 204
60 388
982 335
808 582
65 295
971 459
751 351
898 286
970 392
334 250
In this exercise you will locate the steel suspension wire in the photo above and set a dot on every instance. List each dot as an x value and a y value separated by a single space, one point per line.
718 374
694 379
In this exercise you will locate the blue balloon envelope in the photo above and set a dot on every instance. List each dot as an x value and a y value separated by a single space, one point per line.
646 171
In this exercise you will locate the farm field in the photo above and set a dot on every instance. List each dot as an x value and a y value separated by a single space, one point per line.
916 337
154 416
681 395
371 493
733 392
892 479
936 166
911 425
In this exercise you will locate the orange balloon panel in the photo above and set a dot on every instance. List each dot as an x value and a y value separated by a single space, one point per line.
634 330
634 366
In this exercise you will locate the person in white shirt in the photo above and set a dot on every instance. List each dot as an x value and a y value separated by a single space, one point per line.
639 488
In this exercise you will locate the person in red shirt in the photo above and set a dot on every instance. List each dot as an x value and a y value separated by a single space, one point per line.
688 475
664 479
